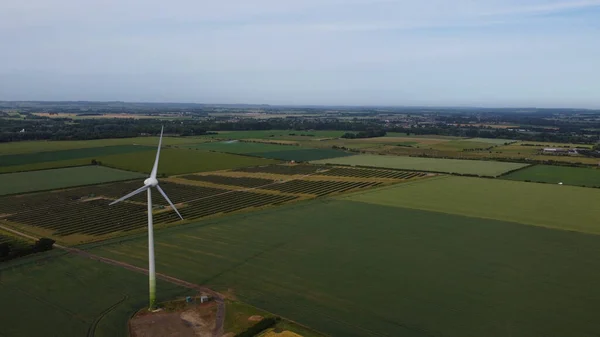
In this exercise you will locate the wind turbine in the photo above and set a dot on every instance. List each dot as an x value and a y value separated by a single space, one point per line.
148 184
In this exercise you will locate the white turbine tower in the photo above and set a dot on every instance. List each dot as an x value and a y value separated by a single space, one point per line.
148 184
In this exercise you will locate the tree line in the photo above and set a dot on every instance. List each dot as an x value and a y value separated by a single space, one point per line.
43 128
9 252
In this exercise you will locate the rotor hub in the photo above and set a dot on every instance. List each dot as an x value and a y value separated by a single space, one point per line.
151 182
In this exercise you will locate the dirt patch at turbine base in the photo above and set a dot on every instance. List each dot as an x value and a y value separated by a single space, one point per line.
196 321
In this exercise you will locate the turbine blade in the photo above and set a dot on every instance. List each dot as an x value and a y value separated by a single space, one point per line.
139 190
169 201
155 168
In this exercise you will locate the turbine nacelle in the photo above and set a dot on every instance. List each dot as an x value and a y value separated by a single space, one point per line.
151 182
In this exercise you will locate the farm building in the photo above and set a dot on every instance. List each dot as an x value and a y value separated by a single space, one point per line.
559 151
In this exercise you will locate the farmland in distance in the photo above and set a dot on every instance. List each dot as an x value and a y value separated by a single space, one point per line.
437 273
474 167
589 177
83 214
179 161
272 151
560 207
32 158
46 146
13 183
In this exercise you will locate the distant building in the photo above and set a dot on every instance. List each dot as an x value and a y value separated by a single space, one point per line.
554 150
559 151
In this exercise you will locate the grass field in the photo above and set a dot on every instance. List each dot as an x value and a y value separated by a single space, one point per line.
241 147
71 296
562 207
39 157
459 145
272 151
277 134
360 269
44 146
46 165
305 155
555 174
478 167
12 183
179 161
493 141
401 134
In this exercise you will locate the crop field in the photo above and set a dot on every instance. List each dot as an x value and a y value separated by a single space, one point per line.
237 147
404 135
554 206
476 167
84 213
179 161
277 134
589 177
436 274
39 157
370 173
460 145
232 181
305 155
493 141
318 188
22 182
45 165
67 295
283 169
47 146
272 151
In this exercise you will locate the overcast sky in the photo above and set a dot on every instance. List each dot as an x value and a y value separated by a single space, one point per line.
541 53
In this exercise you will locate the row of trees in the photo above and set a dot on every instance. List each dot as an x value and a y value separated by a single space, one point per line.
365 134
8 252
67 129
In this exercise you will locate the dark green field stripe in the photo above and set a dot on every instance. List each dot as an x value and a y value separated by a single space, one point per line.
31 158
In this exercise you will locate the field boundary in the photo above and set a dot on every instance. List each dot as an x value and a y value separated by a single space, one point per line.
519 169
46 169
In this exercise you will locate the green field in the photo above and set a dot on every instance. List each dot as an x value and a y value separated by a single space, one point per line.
556 174
45 146
459 145
242 147
46 165
64 155
477 167
68 296
272 151
179 161
12 183
276 134
562 207
402 134
360 269
305 155
492 141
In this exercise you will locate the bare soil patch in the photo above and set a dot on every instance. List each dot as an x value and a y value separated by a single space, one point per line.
194 321
255 318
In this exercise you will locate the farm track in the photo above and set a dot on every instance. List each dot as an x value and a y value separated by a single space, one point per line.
92 329
219 299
